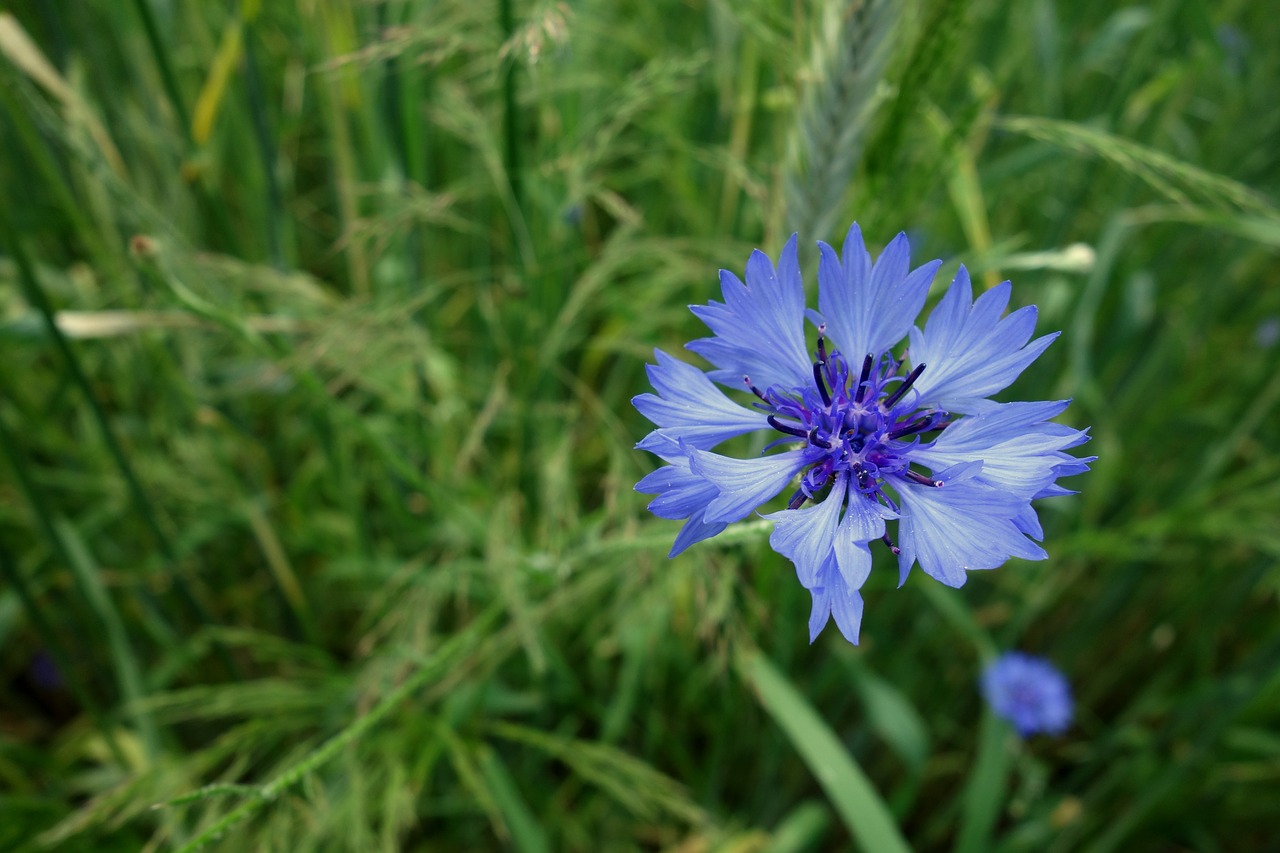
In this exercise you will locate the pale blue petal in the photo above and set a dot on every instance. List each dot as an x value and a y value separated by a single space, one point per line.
835 598
962 526
969 352
681 492
863 522
846 607
1029 523
689 407
870 309
805 536
695 530
820 614
758 330
1020 452
743 484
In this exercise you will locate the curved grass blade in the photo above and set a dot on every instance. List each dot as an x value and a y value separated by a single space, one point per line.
863 811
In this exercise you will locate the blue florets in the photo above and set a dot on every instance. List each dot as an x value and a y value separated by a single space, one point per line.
1028 692
873 435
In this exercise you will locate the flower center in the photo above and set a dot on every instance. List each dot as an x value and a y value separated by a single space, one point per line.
864 424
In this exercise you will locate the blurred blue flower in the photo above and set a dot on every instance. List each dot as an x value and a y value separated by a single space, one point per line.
1028 692
1267 332
871 439
1235 48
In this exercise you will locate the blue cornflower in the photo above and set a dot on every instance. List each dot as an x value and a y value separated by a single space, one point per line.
873 437
1028 692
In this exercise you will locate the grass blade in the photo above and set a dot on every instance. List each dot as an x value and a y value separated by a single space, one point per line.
864 812
526 835
985 794
127 669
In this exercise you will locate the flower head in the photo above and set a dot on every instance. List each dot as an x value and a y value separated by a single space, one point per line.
870 435
1028 692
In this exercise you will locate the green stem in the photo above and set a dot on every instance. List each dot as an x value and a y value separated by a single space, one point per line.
512 119
167 77
266 151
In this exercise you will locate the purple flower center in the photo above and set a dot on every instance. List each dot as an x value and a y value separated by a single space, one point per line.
864 424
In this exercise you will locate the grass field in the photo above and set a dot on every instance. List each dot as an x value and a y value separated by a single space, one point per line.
319 325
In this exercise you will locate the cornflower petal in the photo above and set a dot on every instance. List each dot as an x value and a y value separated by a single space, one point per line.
863 522
1028 522
681 494
807 536
961 526
970 351
759 328
1020 452
690 408
743 484
695 530
835 598
869 309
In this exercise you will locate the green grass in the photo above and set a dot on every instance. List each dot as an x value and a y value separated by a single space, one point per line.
318 329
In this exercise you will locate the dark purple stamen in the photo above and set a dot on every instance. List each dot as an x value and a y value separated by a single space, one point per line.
816 442
822 386
921 479
894 548
852 430
798 432
892 399
862 379
918 425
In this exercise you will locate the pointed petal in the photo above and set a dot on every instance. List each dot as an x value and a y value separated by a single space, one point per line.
695 530
834 598
969 351
1029 523
869 309
863 522
1019 451
743 484
805 536
759 329
689 407
962 526
846 607
821 612
681 492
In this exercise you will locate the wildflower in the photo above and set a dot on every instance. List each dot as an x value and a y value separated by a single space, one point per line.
1267 332
1028 692
873 436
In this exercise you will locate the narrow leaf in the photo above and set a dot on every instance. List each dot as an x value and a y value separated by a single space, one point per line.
864 812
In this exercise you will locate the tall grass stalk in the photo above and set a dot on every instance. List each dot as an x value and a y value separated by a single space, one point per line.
843 86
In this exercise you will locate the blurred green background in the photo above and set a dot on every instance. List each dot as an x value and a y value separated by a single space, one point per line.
319 323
